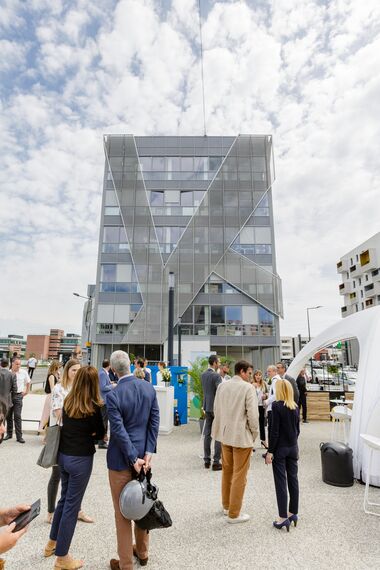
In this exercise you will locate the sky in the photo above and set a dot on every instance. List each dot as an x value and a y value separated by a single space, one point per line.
305 71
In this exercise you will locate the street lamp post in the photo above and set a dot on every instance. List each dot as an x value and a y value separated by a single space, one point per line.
308 330
171 318
88 320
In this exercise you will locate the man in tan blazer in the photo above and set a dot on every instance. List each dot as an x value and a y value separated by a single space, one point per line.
236 425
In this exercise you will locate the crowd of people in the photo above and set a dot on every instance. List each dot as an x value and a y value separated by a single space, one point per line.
85 401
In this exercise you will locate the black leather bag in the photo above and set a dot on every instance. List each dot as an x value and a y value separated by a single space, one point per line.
158 516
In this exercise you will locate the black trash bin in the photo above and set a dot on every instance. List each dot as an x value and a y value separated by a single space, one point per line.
337 466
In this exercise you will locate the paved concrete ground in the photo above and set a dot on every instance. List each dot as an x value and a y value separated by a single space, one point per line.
333 529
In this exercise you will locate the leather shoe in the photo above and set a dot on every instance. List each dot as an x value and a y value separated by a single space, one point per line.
21 440
217 467
114 564
143 561
103 445
207 464
7 437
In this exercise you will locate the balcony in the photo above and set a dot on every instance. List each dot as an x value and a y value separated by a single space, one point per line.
346 288
342 265
355 270
368 259
372 290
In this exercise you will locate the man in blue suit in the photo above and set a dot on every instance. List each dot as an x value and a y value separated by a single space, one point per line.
134 418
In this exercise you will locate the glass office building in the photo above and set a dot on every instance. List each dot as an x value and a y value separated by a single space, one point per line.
200 207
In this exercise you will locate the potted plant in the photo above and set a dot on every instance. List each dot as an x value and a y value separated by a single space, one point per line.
197 368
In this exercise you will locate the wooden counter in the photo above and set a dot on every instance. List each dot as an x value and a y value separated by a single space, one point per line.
319 406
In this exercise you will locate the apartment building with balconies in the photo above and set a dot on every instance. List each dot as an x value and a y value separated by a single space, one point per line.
360 271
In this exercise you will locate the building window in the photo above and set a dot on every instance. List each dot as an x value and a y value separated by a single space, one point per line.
217 314
233 315
156 198
111 211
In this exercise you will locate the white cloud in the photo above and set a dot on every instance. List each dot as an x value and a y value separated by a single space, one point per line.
303 70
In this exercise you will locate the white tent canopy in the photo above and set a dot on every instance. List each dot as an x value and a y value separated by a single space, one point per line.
365 327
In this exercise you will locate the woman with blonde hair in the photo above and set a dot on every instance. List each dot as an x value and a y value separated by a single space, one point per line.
52 379
262 394
283 453
82 427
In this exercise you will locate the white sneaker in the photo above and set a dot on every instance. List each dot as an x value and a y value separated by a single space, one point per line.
243 517
225 512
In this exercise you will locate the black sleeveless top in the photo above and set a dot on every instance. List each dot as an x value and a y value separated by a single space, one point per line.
47 383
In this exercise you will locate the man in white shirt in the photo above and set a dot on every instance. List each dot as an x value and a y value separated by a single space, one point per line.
32 363
224 371
23 387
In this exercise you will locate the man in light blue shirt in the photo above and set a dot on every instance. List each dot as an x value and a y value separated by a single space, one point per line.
105 387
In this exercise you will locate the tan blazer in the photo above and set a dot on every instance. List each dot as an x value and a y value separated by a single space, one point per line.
236 413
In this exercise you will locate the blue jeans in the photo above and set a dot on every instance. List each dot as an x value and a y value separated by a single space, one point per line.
75 475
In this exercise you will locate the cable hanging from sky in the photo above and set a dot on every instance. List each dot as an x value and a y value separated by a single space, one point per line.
202 76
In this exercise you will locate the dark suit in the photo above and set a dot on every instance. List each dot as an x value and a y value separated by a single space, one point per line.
284 432
294 385
301 383
8 386
210 383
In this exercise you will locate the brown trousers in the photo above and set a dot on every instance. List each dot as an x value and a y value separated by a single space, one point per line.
235 461
118 479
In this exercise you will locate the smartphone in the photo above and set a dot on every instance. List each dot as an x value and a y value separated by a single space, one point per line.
25 518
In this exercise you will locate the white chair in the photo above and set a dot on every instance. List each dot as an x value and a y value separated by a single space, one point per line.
372 439
341 416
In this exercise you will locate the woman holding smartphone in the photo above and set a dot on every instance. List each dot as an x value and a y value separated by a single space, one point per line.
283 453
8 538
82 427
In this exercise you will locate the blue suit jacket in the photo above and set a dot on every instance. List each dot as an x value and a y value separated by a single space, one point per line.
105 385
134 417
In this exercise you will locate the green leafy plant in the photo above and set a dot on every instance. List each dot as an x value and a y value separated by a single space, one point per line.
197 368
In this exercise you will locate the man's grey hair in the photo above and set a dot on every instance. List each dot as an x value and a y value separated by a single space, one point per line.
120 363
272 367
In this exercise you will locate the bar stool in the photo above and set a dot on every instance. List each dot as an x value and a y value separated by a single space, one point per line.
372 439
341 416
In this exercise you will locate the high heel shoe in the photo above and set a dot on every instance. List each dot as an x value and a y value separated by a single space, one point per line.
285 523
293 519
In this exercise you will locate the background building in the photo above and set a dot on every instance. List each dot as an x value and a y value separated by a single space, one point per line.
38 344
12 343
291 346
360 271
360 287
56 336
200 207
